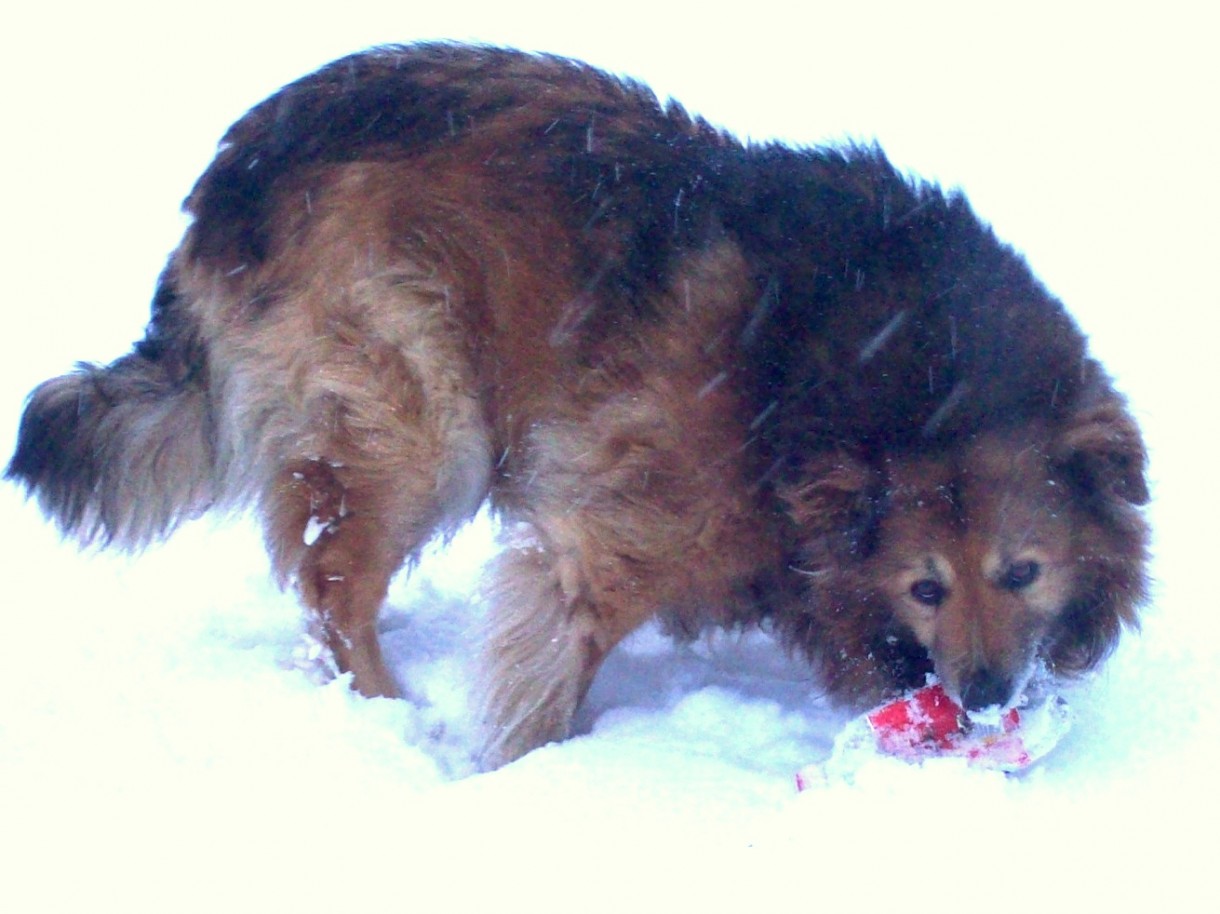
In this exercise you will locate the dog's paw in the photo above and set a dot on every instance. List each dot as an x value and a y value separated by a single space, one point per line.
312 657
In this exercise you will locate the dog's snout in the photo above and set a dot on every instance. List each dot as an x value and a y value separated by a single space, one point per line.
985 689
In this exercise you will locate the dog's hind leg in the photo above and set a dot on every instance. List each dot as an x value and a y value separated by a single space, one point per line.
381 445
332 535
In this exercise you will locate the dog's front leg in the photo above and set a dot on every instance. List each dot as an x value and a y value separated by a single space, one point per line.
558 605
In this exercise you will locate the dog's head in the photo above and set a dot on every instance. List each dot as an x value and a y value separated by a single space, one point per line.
976 560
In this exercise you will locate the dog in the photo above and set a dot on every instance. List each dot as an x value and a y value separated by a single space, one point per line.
725 384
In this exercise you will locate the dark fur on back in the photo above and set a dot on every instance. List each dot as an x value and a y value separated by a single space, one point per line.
704 377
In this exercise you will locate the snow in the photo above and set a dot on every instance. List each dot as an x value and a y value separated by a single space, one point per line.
171 739
314 527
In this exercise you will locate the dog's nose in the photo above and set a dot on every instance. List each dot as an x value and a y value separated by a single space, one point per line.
986 688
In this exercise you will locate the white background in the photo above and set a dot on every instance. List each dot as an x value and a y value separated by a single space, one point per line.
160 749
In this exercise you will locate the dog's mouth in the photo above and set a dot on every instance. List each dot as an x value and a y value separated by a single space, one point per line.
907 664
904 661
991 690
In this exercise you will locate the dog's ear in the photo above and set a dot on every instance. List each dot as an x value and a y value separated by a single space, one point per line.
1101 452
838 500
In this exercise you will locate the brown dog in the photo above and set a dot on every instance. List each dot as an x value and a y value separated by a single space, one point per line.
729 384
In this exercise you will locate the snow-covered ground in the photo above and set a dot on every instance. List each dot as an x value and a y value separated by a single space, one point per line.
166 743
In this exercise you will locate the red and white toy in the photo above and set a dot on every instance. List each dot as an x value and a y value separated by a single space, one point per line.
927 723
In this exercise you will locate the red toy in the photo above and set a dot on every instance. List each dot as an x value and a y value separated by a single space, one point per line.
927 723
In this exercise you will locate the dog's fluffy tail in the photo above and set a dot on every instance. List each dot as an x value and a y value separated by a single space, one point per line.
120 454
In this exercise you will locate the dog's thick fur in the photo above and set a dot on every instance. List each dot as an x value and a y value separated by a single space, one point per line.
728 384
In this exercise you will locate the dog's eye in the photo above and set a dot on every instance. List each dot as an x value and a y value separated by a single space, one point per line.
929 592
1021 574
